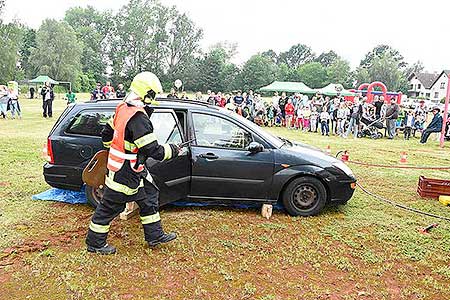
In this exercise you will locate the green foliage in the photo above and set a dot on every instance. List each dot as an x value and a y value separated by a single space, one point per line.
29 42
326 59
92 28
257 72
84 83
380 51
57 53
313 74
297 55
10 44
339 72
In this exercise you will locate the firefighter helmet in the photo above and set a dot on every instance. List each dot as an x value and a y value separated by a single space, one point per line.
145 82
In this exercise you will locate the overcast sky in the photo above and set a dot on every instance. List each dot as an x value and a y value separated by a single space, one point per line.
420 30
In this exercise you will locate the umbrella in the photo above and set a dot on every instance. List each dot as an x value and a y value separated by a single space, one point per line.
333 89
43 79
287 86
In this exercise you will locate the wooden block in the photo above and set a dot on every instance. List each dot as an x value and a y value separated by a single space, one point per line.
266 211
131 209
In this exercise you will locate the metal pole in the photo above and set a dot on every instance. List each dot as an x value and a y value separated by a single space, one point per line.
445 113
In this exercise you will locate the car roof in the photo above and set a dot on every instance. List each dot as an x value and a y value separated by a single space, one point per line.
162 103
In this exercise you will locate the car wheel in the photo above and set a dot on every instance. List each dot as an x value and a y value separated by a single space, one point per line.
379 135
93 195
304 196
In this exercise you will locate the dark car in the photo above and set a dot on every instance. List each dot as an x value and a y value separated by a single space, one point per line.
230 160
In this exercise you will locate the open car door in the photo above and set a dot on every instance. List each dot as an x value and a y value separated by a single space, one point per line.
172 177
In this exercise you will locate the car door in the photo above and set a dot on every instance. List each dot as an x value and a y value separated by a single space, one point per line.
222 168
173 176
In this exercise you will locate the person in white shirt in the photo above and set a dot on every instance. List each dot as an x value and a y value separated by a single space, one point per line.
324 122
276 100
409 123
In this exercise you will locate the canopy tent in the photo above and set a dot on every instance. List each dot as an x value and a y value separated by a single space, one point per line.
43 79
333 89
287 86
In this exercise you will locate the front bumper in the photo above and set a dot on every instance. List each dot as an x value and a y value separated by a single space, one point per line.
341 190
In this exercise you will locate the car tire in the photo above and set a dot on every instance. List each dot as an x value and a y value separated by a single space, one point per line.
304 196
93 195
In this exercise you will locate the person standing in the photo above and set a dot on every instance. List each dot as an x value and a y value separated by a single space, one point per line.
31 92
355 117
4 99
378 103
47 100
238 99
324 119
289 111
391 118
120 92
97 93
130 138
13 94
434 126
172 94
108 90
409 123
282 103
71 97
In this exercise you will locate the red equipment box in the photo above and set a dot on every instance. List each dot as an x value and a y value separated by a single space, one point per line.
433 188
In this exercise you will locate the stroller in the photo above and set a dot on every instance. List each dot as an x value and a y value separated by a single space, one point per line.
370 128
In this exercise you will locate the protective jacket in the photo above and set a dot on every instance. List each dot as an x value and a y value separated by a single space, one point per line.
130 139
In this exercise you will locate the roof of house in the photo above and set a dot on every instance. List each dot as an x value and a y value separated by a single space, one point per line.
447 72
427 79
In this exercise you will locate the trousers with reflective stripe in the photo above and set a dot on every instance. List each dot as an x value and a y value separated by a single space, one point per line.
107 210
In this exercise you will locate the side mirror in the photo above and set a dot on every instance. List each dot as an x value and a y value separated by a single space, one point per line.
255 147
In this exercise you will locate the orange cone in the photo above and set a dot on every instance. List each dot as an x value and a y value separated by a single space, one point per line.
403 157
328 150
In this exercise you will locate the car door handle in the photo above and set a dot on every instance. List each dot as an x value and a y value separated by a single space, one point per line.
208 156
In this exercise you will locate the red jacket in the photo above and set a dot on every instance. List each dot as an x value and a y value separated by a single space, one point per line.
289 109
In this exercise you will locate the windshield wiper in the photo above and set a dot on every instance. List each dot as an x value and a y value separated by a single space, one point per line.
286 141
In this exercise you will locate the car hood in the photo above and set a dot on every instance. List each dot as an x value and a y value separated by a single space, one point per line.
300 153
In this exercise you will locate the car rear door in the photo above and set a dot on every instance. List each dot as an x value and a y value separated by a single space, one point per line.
173 176
222 168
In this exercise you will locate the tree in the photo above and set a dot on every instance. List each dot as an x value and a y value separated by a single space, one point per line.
57 53
2 6
339 72
297 55
10 43
313 74
361 76
92 28
270 54
29 42
258 71
211 68
379 51
415 68
385 69
181 45
327 58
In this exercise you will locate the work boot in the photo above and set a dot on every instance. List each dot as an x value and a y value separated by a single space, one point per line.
106 250
164 238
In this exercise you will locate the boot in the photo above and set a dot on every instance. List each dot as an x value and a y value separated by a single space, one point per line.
106 250
164 238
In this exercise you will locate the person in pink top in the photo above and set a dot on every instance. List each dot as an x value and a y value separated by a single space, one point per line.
108 90
289 113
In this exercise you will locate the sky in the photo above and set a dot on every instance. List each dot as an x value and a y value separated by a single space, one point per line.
418 29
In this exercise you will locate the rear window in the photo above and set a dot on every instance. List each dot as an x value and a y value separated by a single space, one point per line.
89 122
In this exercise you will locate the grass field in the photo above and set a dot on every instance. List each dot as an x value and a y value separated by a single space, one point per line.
365 250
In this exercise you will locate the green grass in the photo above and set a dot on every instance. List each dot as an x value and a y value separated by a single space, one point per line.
365 249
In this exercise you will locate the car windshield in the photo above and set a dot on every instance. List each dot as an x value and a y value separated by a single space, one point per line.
266 135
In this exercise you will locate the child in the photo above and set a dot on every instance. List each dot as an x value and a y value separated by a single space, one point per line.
313 119
306 115
289 112
270 115
324 119
299 120
409 123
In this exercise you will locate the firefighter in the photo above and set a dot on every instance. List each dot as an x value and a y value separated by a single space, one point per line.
130 139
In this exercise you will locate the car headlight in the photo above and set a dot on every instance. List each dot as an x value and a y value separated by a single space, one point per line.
344 168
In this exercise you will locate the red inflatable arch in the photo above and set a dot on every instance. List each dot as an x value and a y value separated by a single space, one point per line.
370 89
363 86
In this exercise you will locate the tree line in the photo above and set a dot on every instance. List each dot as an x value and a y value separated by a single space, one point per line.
89 45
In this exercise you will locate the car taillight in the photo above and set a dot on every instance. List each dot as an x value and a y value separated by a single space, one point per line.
47 151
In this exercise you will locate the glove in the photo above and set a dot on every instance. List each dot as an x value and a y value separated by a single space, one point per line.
175 150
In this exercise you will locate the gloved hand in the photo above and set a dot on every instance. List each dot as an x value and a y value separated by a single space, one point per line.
175 150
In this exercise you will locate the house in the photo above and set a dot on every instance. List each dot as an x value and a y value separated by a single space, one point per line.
439 87
420 84
432 86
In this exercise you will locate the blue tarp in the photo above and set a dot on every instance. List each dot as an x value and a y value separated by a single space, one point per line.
74 197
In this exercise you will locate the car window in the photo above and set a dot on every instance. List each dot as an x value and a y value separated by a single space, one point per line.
165 127
214 131
89 122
